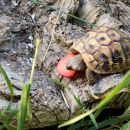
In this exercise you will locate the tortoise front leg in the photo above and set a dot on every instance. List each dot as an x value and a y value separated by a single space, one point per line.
91 76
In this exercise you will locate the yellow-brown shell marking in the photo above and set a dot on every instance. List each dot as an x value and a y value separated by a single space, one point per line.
105 51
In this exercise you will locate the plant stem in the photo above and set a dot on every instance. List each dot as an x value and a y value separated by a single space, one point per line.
35 59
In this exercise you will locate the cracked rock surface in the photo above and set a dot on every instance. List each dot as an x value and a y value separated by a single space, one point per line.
17 26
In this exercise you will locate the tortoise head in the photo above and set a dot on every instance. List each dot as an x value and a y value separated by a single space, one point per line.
76 63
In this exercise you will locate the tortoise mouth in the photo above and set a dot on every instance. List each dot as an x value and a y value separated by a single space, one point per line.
69 67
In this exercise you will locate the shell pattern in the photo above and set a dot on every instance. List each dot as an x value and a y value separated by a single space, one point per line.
105 50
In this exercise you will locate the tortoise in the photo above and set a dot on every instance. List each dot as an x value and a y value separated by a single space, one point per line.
102 51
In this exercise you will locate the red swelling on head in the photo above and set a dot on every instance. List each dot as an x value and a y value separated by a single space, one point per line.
61 67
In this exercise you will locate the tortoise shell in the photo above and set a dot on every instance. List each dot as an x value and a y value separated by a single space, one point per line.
105 50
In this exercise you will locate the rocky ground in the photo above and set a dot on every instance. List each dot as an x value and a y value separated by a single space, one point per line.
61 23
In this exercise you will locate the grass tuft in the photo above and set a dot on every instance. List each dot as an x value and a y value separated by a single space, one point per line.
124 83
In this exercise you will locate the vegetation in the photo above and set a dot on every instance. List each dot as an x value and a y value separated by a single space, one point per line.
81 122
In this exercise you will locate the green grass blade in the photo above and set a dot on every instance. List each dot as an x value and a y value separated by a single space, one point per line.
37 43
78 125
29 112
7 81
23 106
110 122
77 99
124 83
125 126
75 119
93 120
